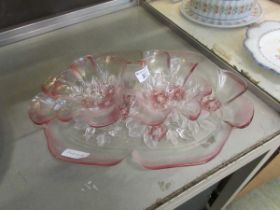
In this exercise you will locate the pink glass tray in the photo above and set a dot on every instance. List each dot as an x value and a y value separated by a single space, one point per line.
165 109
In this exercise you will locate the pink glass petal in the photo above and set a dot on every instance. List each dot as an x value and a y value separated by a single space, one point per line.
182 65
189 56
62 85
222 84
41 109
101 117
84 68
199 153
229 86
205 88
48 86
145 111
66 109
190 109
210 103
157 61
198 87
109 65
238 113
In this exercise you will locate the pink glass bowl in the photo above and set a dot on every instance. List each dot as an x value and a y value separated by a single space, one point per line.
165 108
90 89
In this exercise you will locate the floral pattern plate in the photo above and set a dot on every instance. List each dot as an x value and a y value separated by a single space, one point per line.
165 108
263 42
256 14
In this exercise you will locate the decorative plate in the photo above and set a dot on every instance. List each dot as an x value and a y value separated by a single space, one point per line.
255 15
167 109
263 42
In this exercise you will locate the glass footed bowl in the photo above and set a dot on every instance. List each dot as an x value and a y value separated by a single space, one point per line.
165 108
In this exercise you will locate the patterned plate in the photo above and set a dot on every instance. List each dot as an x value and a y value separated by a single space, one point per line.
218 23
263 42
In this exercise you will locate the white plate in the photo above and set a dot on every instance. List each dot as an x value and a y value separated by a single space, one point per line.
256 14
263 41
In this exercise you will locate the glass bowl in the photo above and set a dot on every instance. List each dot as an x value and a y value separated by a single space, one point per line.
165 108
90 89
